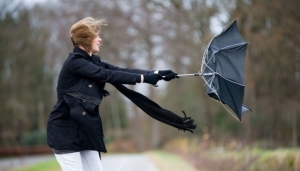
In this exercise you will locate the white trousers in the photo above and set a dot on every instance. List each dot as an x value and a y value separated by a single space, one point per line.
80 161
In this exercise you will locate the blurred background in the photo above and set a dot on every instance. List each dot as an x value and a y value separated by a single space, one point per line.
158 34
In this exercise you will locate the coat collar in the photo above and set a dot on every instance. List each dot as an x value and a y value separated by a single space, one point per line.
78 50
96 59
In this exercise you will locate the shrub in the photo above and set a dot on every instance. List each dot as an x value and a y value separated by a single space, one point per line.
38 137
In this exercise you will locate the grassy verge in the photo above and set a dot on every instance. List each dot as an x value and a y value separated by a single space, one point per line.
50 165
207 156
168 161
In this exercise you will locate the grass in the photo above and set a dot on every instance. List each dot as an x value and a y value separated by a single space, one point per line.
167 161
50 165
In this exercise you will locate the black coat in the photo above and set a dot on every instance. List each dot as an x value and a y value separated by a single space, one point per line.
75 123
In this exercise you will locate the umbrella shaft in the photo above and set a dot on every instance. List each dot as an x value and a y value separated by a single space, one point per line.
181 75
196 74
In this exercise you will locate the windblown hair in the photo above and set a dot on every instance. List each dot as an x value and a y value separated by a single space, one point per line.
84 31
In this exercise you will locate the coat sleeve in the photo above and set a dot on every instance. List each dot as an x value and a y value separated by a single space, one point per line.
85 68
136 71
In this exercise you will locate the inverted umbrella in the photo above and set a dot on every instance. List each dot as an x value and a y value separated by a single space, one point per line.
222 69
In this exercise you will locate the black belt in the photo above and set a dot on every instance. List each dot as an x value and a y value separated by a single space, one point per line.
86 98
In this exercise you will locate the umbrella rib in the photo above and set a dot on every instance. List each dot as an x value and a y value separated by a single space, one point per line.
205 63
231 80
205 52
209 80
230 46
230 112
209 85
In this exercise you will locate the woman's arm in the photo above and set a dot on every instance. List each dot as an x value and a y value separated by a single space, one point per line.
81 66
85 68
136 71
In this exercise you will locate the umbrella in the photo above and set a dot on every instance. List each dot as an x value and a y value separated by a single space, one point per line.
222 69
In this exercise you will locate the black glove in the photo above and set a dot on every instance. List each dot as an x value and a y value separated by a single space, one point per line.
165 72
170 77
152 78
168 74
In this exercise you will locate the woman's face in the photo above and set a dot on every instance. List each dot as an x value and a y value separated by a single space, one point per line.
96 44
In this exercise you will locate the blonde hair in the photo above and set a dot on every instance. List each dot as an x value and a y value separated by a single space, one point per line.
84 31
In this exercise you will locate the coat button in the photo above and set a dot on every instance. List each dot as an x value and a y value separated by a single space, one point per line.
83 113
90 85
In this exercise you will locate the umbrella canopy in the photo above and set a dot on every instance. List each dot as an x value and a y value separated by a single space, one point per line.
223 68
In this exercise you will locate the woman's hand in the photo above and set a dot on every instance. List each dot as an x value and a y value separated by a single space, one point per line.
168 75
151 78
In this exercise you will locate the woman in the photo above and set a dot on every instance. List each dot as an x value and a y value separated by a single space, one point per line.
74 128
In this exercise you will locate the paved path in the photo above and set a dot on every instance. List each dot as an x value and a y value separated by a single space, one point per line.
15 162
129 162
110 162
